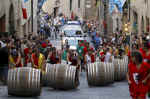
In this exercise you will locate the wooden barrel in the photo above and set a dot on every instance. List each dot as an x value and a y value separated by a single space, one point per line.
44 80
24 81
126 61
121 68
100 73
62 76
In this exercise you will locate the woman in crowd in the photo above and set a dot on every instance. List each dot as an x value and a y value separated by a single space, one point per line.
108 56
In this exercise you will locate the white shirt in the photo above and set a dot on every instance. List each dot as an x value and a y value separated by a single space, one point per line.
88 59
107 57
113 39
3 44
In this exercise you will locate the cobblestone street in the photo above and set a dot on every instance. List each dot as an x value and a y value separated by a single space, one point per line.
118 90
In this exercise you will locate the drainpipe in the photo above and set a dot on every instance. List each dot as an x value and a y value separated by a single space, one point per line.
32 13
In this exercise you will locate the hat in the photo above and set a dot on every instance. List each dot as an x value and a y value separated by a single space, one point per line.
44 45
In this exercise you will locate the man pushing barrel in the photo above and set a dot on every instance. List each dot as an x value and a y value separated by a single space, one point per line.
38 60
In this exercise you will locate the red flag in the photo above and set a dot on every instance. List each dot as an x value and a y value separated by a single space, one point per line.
24 10
148 28
104 24
72 15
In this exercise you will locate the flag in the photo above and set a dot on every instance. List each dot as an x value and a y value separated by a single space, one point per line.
104 24
24 10
72 15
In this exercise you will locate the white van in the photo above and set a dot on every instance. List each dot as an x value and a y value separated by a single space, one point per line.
72 34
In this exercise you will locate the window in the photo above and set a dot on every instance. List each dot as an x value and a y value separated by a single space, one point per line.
79 3
70 5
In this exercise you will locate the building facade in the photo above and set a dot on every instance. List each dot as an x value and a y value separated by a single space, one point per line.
65 6
116 20
139 16
11 17
104 18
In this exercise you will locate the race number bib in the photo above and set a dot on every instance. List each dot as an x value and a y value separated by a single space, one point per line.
145 60
135 77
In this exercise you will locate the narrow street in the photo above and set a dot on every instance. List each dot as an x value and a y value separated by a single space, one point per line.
74 49
118 90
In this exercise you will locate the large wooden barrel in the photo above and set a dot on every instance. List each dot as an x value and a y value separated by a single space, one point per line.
24 81
62 76
100 73
121 68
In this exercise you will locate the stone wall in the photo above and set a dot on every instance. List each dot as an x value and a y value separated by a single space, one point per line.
142 10
13 8
64 7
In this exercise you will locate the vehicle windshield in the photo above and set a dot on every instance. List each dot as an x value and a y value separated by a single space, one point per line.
73 42
72 32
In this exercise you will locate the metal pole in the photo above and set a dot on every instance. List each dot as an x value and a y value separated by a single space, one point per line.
32 13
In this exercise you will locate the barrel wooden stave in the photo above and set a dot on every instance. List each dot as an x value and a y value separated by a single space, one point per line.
100 73
62 76
21 83
121 68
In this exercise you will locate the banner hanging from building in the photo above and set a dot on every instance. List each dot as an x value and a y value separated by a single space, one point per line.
26 11
118 3
41 3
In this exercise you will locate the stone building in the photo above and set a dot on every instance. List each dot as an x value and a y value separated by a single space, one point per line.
116 20
91 9
11 17
103 16
65 6
139 16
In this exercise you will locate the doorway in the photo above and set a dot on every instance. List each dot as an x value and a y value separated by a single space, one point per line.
2 24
